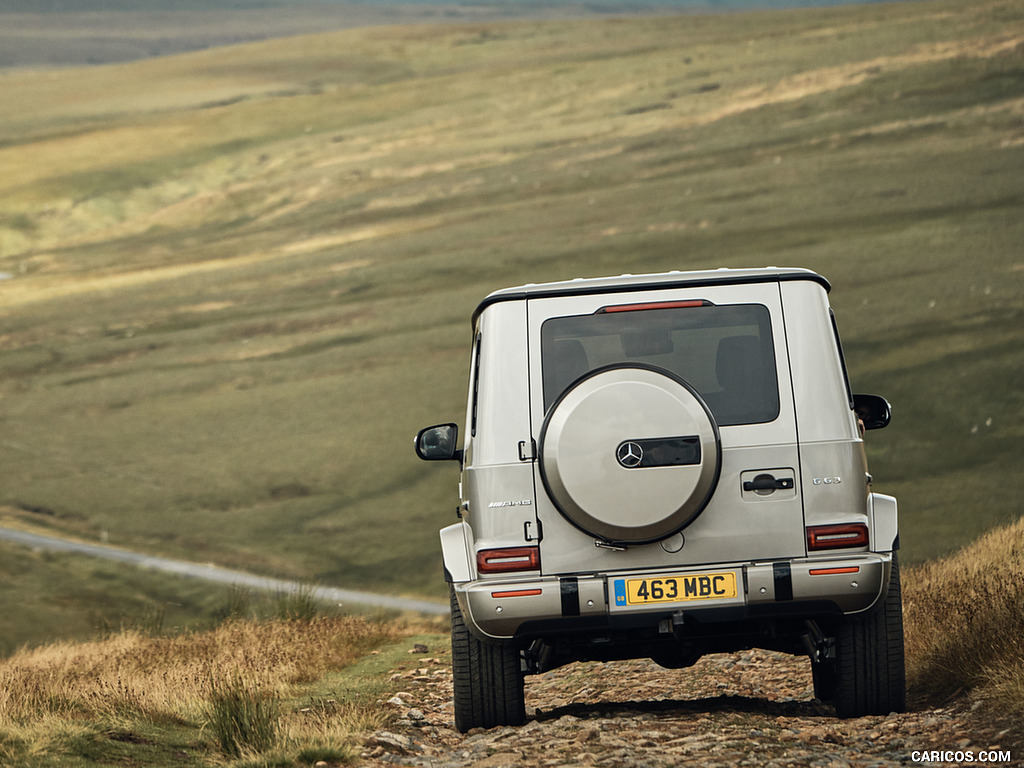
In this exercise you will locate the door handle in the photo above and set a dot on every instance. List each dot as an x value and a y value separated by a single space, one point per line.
768 483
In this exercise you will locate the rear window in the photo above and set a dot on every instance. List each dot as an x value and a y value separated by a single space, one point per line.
726 353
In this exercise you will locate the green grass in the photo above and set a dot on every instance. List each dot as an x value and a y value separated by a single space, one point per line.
243 277
243 719
48 596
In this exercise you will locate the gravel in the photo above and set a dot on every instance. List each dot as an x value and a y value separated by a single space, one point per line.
755 708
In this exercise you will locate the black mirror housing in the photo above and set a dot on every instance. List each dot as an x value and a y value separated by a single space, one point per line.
872 410
438 443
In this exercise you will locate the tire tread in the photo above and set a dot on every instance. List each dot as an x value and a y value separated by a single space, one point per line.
487 679
870 673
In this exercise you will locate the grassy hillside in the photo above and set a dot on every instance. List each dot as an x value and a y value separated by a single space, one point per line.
46 596
964 626
239 280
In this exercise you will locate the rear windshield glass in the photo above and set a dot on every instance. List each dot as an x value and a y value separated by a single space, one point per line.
725 353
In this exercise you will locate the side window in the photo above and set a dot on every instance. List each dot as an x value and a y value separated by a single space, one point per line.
726 353
476 384
842 358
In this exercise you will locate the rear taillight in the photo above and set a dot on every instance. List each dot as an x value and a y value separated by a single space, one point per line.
842 536
508 560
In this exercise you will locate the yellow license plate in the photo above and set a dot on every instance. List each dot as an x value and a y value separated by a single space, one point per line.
676 589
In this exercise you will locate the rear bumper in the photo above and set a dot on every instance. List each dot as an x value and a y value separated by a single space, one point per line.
509 608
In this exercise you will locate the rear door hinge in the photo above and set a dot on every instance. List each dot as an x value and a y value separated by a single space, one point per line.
527 450
528 531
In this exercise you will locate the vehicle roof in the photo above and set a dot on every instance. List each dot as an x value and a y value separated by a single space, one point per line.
661 280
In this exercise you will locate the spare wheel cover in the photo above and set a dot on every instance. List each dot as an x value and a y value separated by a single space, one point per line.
630 453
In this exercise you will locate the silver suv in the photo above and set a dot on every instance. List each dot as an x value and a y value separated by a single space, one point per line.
663 466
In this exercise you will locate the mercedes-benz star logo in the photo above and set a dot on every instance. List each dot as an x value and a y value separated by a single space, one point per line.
630 454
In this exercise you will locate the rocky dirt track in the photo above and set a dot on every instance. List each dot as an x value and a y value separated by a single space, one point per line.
752 708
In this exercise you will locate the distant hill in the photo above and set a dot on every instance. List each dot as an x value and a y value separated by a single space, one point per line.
619 6
64 33
67 33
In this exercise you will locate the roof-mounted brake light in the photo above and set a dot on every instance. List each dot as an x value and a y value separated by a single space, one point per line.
654 305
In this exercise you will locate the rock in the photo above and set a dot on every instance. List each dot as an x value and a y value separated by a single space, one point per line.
499 760
394 742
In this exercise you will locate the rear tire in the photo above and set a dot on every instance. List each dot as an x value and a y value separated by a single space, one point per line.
869 670
487 679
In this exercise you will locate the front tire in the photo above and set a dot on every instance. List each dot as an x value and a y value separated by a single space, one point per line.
487 679
869 671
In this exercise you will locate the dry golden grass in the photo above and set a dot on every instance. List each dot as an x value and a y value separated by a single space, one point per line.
965 627
132 681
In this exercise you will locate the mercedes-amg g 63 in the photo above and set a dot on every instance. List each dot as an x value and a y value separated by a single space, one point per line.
664 466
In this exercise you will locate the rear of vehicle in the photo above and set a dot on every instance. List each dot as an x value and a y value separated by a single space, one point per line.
666 466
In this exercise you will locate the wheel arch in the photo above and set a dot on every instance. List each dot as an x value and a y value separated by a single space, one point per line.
458 567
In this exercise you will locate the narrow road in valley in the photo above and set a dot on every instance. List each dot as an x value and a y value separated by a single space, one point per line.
219 575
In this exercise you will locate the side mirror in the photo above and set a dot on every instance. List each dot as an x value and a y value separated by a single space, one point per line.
872 410
438 443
